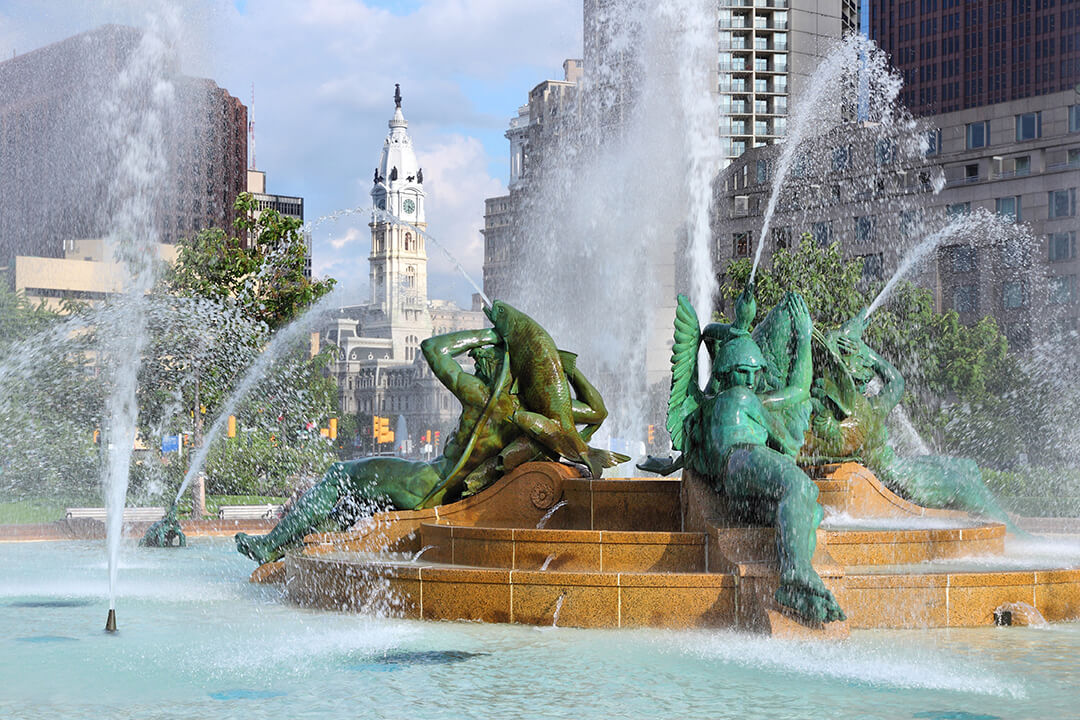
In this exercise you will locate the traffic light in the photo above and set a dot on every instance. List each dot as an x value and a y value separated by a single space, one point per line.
381 430
333 428
231 432
652 434
427 436
436 439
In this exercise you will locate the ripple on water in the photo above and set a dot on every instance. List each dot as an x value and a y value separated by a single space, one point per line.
245 694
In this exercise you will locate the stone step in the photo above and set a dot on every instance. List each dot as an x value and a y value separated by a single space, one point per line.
741 599
566 550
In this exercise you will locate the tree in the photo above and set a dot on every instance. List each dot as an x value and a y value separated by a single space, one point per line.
50 400
262 269
216 309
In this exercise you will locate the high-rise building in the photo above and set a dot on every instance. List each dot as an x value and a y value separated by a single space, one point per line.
58 159
768 50
529 134
955 55
380 370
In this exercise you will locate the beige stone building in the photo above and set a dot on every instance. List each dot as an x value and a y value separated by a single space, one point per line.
1019 159
380 370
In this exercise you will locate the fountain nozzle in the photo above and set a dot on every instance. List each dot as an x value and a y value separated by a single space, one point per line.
110 623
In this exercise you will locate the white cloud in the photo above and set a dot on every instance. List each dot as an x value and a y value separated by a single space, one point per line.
352 235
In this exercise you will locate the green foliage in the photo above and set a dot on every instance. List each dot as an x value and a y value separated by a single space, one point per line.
226 295
830 286
262 268
50 401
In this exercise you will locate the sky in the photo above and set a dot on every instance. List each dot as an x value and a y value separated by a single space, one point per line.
324 73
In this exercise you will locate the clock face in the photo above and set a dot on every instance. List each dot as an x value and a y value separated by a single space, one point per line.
409 207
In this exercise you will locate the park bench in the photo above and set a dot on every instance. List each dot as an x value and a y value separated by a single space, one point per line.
249 512
131 514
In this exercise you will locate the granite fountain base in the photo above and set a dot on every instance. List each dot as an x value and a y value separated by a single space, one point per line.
543 546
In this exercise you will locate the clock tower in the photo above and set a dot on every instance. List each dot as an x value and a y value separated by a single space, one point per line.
398 260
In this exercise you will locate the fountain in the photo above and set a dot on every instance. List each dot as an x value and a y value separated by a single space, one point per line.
505 535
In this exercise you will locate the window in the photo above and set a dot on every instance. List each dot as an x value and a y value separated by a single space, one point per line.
1013 253
1062 203
864 228
1074 118
971 172
884 151
933 142
1013 295
408 241
1063 289
841 158
781 237
740 244
873 267
958 210
978 134
1022 165
1062 246
762 172
909 222
822 232
1028 126
1073 157
962 258
965 298
1009 208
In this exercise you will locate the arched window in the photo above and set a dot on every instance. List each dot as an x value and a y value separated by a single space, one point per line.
410 276
408 241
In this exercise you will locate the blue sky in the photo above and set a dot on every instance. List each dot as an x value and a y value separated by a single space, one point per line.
324 74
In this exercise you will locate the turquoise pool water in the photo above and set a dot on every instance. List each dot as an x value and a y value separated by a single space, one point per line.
197 641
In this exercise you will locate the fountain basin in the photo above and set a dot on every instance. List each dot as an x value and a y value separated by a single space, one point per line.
890 564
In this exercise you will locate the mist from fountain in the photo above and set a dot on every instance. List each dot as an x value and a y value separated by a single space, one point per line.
981 224
279 344
825 102
616 195
390 217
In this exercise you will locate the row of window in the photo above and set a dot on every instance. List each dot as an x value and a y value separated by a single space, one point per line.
1028 127
1014 294
1061 246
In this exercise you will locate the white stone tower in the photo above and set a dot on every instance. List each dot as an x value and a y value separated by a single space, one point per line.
398 260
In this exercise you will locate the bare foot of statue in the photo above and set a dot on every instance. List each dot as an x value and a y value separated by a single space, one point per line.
807 595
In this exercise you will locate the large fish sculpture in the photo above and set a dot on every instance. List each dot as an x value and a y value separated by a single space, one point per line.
543 390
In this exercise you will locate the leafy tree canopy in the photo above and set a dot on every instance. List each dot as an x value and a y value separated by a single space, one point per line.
263 267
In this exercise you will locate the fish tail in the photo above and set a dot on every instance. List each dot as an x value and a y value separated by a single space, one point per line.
598 459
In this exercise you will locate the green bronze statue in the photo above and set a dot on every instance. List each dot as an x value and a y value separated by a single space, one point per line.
165 531
848 423
523 402
743 432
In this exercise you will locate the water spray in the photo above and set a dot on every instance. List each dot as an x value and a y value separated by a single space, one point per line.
390 217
